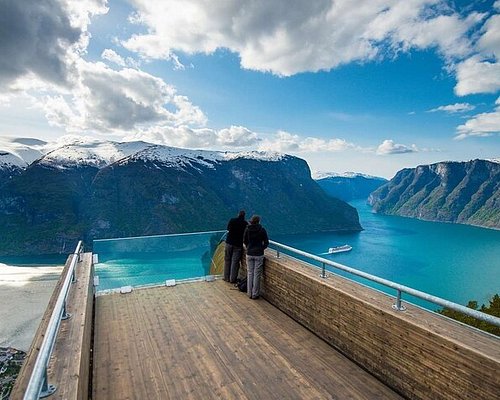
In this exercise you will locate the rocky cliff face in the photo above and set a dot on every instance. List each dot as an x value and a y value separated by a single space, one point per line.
349 186
116 190
462 192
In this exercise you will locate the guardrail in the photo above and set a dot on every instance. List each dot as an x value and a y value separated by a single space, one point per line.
38 385
399 288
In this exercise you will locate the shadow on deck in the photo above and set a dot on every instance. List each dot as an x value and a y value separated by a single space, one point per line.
206 340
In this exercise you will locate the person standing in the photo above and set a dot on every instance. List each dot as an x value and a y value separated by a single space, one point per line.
234 247
256 241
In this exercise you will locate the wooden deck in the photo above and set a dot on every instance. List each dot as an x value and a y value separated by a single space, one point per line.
207 340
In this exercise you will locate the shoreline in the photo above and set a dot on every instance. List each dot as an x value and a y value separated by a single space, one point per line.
25 291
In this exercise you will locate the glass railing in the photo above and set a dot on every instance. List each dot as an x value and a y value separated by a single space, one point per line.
152 260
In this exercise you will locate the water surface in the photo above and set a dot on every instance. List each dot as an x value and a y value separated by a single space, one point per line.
452 261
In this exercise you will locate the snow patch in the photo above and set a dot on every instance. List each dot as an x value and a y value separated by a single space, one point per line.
181 158
317 175
20 152
95 153
70 151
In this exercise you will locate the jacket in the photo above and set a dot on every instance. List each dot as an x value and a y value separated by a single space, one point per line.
256 240
236 229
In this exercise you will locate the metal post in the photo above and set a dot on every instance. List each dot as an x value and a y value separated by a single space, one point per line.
277 253
65 315
73 277
323 271
398 306
47 389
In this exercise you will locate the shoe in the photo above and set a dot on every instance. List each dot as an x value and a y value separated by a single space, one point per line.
232 281
255 297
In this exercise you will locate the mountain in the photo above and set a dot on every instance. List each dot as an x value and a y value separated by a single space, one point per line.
462 192
349 185
94 189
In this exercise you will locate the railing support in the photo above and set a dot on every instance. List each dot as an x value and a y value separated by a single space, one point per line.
398 306
323 271
47 389
277 253
65 314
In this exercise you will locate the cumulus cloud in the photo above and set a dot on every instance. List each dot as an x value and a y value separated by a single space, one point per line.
454 108
113 57
42 38
388 147
287 142
485 124
201 138
480 73
489 43
106 100
286 37
477 76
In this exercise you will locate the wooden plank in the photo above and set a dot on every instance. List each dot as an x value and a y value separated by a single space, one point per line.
209 341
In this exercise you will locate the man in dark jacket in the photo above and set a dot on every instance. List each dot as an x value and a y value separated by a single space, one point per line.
256 240
234 246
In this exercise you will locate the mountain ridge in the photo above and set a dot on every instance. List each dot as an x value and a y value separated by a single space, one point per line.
459 192
349 185
117 190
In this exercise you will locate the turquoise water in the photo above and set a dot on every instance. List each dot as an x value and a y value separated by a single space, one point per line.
455 262
153 260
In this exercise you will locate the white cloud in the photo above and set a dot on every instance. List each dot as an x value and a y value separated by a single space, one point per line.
389 147
200 138
105 100
286 142
454 108
287 37
480 73
112 56
489 43
485 124
476 76
42 38
237 136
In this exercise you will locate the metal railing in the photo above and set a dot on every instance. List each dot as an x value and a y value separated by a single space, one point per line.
38 386
399 288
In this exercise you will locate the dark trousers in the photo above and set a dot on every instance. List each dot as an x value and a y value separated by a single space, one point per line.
232 258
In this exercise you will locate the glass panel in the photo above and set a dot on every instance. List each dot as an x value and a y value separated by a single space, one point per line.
150 260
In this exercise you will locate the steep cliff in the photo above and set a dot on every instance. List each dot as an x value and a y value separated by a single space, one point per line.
462 192
114 189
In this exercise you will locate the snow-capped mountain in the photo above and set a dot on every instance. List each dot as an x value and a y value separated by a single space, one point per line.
101 189
20 152
317 175
348 186
97 153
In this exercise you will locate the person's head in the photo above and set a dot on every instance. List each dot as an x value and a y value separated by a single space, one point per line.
255 220
241 214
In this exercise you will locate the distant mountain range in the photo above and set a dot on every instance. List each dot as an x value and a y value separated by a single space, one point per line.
462 192
51 196
349 185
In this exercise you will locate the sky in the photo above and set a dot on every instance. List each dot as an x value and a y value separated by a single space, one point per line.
369 86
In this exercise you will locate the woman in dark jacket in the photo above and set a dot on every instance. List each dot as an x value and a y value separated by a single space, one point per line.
255 240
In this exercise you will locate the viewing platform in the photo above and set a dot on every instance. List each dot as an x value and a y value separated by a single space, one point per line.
181 334
205 340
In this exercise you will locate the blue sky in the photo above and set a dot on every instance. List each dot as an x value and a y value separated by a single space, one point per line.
367 86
